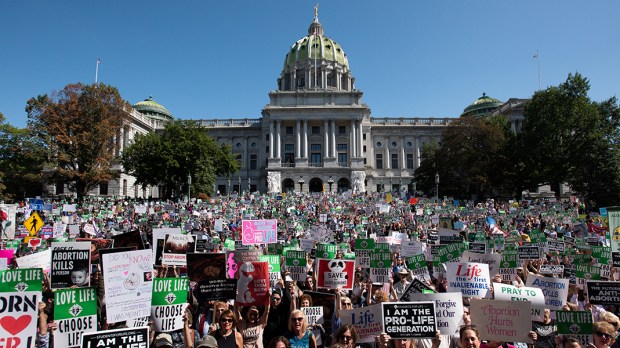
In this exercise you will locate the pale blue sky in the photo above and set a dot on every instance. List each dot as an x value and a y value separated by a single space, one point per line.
218 59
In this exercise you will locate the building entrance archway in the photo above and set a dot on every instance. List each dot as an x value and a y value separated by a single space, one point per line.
315 185
343 185
288 185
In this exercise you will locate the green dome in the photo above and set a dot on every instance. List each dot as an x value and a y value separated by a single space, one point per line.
482 106
153 109
316 46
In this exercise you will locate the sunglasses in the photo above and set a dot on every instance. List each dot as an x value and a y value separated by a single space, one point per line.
347 338
276 298
347 303
226 320
605 336
297 319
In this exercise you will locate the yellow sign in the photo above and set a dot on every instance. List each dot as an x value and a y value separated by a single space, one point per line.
388 198
33 224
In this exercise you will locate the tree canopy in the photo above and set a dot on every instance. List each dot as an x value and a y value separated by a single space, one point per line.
77 125
22 158
183 148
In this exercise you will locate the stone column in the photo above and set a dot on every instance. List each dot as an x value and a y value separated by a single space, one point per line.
353 142
417 153
403 160
271 135
326 140
278 138
388 164
333 135
298 140
360 139
305 138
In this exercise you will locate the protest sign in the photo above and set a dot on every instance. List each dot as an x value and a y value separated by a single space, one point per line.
6 257
553 245
8 225
603 292
417 264
253 284
70 265
119 338
403 320
492 260
20 293
615 259
478 248
169 303
296 264
585 273
41 260
415 287
613 214
410 248
380 266
535 296
326 251
75 312
555 290
448 310
209 270
59 230
314 315
176 247
575 323
556 270
449 236
334 274
131 239
259 231
128 284
505 321
469 278
159 237
235 259
274 267
366 320
528 253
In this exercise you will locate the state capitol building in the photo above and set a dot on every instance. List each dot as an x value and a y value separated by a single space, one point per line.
314 135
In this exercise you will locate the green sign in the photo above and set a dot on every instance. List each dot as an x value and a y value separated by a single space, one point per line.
296 258
381 259
273 260
449 253
74 303
575 323
170 291
364 244
27 279
587 272
326 251
416 262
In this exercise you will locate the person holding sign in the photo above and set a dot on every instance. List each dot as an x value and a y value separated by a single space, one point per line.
226 336
252 329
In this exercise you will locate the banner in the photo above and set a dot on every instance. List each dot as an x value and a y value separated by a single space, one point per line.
448 310
575 323
505 292
555 290
259 231
20 293
468 278
128 284
70 265
169 303
403 320
209 271
504 321
120 338
176 247
253 284
366 320
604 293
334 274
75 312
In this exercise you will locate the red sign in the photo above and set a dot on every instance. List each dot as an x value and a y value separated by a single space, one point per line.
413 200
333 274
253 284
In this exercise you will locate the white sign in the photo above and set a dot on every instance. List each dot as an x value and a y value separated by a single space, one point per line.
555 290
469 278
41 260
448 310
513 293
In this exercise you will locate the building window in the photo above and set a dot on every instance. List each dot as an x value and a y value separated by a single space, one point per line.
103 188
364 148
342 129
409 144
289 129
394 161
364 136
253 145
342 158
60 188
315 147
315 155
289 153
267 137
342 147
238 145
379 161
394 144
253 161
316 130
379 144
239 158
409 161
364 160
301 82
266 149
289 147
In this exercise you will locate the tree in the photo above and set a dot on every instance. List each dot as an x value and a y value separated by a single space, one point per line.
22 158
569 138
183 148
77 125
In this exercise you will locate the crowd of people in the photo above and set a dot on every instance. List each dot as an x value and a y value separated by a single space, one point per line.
282 322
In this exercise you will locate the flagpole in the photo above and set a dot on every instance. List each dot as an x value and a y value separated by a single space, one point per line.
537 56
97 70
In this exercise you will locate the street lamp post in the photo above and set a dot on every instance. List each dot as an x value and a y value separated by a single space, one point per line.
301 182
437 186
391 188
414 188
249 184
228 192
239 185
400 184
189 186
330 182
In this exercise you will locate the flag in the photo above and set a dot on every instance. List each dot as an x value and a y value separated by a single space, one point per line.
493 228
536 55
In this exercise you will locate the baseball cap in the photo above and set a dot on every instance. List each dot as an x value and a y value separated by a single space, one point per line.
163 339
207 342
